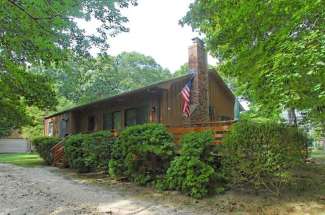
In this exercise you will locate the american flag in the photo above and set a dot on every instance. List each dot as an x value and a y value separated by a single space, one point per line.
186 96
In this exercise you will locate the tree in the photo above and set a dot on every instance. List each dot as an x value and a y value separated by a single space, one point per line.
183 70
41 33
36 116
275 50
87 79
83 79
139 70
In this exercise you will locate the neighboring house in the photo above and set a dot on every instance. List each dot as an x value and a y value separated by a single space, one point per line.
160 102
14 143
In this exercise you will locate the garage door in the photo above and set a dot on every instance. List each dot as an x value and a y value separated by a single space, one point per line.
14 145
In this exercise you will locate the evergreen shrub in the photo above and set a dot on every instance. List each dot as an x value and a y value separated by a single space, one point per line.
43 147
262 154
142 153
89 152
195 171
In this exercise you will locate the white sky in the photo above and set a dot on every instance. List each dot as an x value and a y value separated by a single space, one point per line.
154 31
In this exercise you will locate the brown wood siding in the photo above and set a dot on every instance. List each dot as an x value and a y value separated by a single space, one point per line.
220 99
56 124
81 116
171 104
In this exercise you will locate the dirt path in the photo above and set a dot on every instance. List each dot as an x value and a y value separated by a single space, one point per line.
48 190
42 190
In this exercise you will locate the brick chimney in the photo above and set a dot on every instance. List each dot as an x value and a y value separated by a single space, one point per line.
198 64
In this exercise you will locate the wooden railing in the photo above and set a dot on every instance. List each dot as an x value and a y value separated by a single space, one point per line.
219 129
57 152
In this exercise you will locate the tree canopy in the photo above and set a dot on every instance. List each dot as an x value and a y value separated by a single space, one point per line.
42 33
275 50
87 79
139 70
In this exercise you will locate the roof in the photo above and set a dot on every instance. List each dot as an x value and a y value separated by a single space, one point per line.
142 89
139 90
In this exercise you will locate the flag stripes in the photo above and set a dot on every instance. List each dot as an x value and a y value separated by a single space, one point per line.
186 96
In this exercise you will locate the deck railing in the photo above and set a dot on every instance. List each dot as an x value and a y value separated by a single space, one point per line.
218 128
57 152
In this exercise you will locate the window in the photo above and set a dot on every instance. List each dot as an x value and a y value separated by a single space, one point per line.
130 117
91 123
117 120
112 120
107 121
63 128
136 116
142 115
50 129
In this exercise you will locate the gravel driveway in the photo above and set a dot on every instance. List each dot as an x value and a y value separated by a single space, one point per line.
43 190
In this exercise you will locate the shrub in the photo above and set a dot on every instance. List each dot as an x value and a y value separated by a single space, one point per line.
261 154
43 147
89 152
142 153
194 172
73 152
98 149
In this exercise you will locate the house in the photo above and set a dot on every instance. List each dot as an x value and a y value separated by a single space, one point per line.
161 102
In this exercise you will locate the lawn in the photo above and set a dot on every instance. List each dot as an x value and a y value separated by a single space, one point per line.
22 159
318 155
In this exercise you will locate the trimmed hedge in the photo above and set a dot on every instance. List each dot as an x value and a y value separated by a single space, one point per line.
43 146
195 171
261 155
142 153
89 152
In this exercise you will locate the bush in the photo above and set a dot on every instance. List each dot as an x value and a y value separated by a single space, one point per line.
142 153
260 155
73 152
43 147
89 152
194 172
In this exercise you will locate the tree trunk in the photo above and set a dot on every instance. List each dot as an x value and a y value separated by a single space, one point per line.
292 118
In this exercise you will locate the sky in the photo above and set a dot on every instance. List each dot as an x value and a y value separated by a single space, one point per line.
154 31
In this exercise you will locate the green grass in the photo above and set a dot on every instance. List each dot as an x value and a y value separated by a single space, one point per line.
318 155
22 159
